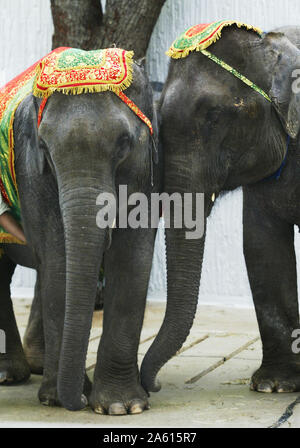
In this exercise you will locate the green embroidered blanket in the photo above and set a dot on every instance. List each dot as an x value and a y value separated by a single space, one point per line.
200 37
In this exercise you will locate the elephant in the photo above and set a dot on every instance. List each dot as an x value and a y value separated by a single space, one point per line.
218 134
86 144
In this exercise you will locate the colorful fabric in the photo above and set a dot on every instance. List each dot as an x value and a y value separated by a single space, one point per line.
11 96
200 37
77 71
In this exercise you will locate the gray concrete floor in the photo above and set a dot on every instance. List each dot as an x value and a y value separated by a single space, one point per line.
206 385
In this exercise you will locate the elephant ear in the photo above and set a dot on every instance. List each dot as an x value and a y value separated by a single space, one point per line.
285 93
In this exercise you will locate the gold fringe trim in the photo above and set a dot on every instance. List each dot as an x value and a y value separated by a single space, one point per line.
180 54
78 90
11 150
7 238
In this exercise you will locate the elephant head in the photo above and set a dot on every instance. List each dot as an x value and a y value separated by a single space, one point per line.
217 134
91 143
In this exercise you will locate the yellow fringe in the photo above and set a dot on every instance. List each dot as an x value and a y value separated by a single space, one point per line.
11 154
177 54
7 238
78 90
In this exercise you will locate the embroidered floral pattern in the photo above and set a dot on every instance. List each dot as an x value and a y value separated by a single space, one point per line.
77 71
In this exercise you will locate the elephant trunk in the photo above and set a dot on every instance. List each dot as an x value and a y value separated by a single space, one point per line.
84 243
184 263
184 260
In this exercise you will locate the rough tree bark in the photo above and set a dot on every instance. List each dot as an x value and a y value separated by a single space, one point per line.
126 23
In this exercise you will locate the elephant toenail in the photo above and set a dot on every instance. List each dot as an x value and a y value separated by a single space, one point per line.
266 387
45 402
99 410
117 409
286 388
136 407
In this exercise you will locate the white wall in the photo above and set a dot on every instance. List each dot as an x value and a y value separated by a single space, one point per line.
26 34
26 29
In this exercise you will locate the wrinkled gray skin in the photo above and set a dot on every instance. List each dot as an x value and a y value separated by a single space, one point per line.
217 134
86 144
19 369
14 366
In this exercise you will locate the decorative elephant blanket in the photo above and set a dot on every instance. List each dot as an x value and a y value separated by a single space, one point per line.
65 70
200 37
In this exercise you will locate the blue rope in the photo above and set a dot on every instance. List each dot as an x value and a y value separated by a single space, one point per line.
278 173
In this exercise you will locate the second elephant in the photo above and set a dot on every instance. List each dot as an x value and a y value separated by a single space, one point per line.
85 145
227 118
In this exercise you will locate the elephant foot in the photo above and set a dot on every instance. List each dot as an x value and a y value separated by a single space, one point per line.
35 359
13 369
283 379
119 399
48 395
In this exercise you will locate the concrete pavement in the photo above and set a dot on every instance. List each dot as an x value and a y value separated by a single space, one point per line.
206 385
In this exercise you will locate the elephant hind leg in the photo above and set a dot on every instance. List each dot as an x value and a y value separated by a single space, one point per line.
271 263
13 365
34 343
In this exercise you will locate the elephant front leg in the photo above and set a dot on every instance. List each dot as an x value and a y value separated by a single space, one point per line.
271 263
13 365
52 278
117 389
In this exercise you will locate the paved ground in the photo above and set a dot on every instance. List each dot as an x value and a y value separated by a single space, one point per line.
205 385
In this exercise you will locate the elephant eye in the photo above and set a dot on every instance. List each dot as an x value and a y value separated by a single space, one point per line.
123 146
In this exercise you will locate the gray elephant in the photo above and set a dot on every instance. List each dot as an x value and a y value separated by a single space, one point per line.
224 125
85 145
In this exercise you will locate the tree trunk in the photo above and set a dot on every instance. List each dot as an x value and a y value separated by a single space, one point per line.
126 23
76 22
